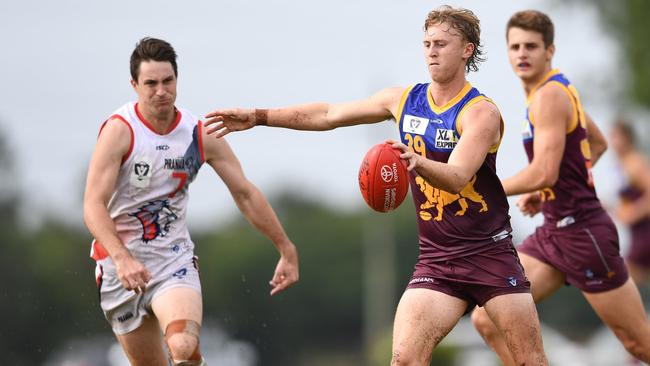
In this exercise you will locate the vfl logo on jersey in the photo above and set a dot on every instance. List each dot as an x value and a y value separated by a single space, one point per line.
413 124
156 218
439 199
141 170
526 130
141 174
445 139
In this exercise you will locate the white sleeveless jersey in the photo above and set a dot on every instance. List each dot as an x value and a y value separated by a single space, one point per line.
149 203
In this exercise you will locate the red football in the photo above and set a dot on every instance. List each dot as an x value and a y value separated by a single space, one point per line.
383 178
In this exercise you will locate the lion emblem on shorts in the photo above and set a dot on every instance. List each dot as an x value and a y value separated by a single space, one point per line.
439 199
156 218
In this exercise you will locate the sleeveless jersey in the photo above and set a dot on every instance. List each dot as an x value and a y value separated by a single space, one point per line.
451 225
573 197
149 203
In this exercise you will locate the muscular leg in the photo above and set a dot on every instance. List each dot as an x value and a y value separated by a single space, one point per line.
423 319
515 317
622 310
179 311
143 346
544 280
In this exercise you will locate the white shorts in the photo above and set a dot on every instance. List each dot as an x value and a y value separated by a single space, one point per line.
125 310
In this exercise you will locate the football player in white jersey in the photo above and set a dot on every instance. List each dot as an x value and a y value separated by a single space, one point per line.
146 155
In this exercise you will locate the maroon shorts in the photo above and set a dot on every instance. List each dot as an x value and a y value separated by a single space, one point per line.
639 253
586 252
475 278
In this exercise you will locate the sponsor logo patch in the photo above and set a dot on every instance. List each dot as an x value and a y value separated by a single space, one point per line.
422 279
414 124
125 317
445 139
386 173
182 163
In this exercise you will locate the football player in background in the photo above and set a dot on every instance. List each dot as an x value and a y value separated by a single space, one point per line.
634 199
578 242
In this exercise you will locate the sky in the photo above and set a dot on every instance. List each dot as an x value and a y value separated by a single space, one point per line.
65 69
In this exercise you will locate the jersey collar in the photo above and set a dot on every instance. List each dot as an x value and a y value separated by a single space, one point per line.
439 110
548 75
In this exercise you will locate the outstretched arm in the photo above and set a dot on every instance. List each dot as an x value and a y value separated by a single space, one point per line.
113 143
254 206
551 110
481 126
312 117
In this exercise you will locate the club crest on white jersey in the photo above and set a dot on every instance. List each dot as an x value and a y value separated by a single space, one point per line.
141 173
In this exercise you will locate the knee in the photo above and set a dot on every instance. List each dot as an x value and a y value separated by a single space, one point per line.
399 360
483 323
182 346
182 339
402 358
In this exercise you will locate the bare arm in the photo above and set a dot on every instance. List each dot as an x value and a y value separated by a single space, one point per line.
597 141
481 126
551 110
113 142
313 117
254 206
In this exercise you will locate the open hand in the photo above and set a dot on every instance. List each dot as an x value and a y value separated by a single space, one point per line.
223 121
412 159
286 271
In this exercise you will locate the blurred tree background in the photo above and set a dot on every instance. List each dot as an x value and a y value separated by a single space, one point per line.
48 293
627 20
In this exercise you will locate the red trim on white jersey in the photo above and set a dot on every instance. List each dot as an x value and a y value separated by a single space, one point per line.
99 273
199 134
117 116
171 128
97 251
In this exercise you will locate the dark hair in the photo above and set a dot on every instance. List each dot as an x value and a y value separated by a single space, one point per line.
148 49
466 23
533 20
626 129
